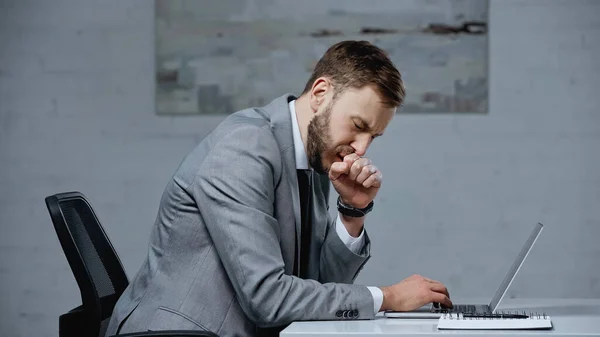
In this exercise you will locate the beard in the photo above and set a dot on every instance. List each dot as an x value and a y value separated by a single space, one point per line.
318 138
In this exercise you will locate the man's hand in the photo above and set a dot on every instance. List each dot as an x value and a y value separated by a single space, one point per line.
356 180
413 293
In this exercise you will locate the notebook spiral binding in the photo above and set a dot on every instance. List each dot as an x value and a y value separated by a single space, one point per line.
505 314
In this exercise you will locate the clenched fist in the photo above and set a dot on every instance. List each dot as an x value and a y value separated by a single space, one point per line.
356 180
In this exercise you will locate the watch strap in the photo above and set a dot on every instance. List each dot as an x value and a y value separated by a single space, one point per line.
351 211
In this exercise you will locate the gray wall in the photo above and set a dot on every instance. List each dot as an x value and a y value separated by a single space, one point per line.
77 113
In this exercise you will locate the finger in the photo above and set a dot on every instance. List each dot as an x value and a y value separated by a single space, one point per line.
439 288
337 169
357 167
441 299
365 173
351 158
374 180
436 283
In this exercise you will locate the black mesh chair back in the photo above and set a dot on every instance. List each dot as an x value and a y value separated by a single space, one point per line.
93 261
97 270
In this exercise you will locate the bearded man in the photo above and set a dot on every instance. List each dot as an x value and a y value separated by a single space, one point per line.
243 243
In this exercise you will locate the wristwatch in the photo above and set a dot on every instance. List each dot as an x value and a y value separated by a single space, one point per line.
353 211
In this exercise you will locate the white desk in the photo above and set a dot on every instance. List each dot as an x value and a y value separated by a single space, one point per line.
570 317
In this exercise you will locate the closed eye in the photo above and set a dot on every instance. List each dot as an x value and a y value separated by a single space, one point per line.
358 126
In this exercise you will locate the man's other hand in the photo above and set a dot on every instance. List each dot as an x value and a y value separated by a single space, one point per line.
413 293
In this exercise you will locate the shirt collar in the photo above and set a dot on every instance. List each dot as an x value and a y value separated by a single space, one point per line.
301 159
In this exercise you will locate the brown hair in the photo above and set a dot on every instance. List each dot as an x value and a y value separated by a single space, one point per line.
355 64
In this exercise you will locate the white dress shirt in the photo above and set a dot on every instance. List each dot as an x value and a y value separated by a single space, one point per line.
354 244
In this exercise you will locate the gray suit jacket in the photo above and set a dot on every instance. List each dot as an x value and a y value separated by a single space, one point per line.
222 250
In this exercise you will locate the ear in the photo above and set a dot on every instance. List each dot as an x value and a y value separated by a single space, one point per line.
320 92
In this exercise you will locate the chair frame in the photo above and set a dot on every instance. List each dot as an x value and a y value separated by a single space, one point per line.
93 310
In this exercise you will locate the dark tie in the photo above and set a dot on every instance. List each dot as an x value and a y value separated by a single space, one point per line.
305 189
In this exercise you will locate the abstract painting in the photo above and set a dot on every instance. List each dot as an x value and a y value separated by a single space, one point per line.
217 57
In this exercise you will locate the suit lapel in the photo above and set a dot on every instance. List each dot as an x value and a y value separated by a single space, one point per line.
281 125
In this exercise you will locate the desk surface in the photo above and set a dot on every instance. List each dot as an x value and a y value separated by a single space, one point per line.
570 317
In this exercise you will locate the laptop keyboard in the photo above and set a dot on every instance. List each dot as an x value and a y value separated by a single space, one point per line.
464 308
461 308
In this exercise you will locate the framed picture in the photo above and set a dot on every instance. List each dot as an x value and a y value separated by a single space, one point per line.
217 57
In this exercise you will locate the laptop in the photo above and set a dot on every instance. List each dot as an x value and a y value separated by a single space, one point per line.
432 311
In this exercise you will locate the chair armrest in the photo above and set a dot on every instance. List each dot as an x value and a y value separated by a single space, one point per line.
169 333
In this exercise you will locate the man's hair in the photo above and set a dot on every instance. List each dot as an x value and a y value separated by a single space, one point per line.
355 64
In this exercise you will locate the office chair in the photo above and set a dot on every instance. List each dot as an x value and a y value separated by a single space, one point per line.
96 267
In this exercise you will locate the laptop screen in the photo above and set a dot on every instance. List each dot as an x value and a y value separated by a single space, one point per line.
537 228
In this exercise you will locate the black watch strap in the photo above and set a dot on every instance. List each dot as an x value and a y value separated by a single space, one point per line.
353 211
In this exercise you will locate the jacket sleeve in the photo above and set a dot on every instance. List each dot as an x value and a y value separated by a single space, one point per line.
337 262
234 189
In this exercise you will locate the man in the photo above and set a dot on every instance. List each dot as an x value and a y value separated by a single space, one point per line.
243 241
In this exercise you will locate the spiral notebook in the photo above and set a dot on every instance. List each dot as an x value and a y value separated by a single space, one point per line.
494 321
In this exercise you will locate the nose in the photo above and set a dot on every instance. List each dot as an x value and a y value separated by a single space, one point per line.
361 145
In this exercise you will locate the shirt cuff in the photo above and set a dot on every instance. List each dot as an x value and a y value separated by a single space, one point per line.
377 298
354 244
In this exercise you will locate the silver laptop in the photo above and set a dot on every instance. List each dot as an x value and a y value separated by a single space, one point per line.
433 312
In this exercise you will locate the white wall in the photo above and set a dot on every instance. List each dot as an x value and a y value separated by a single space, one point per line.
76 113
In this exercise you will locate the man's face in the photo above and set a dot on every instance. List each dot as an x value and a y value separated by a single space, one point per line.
344 126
